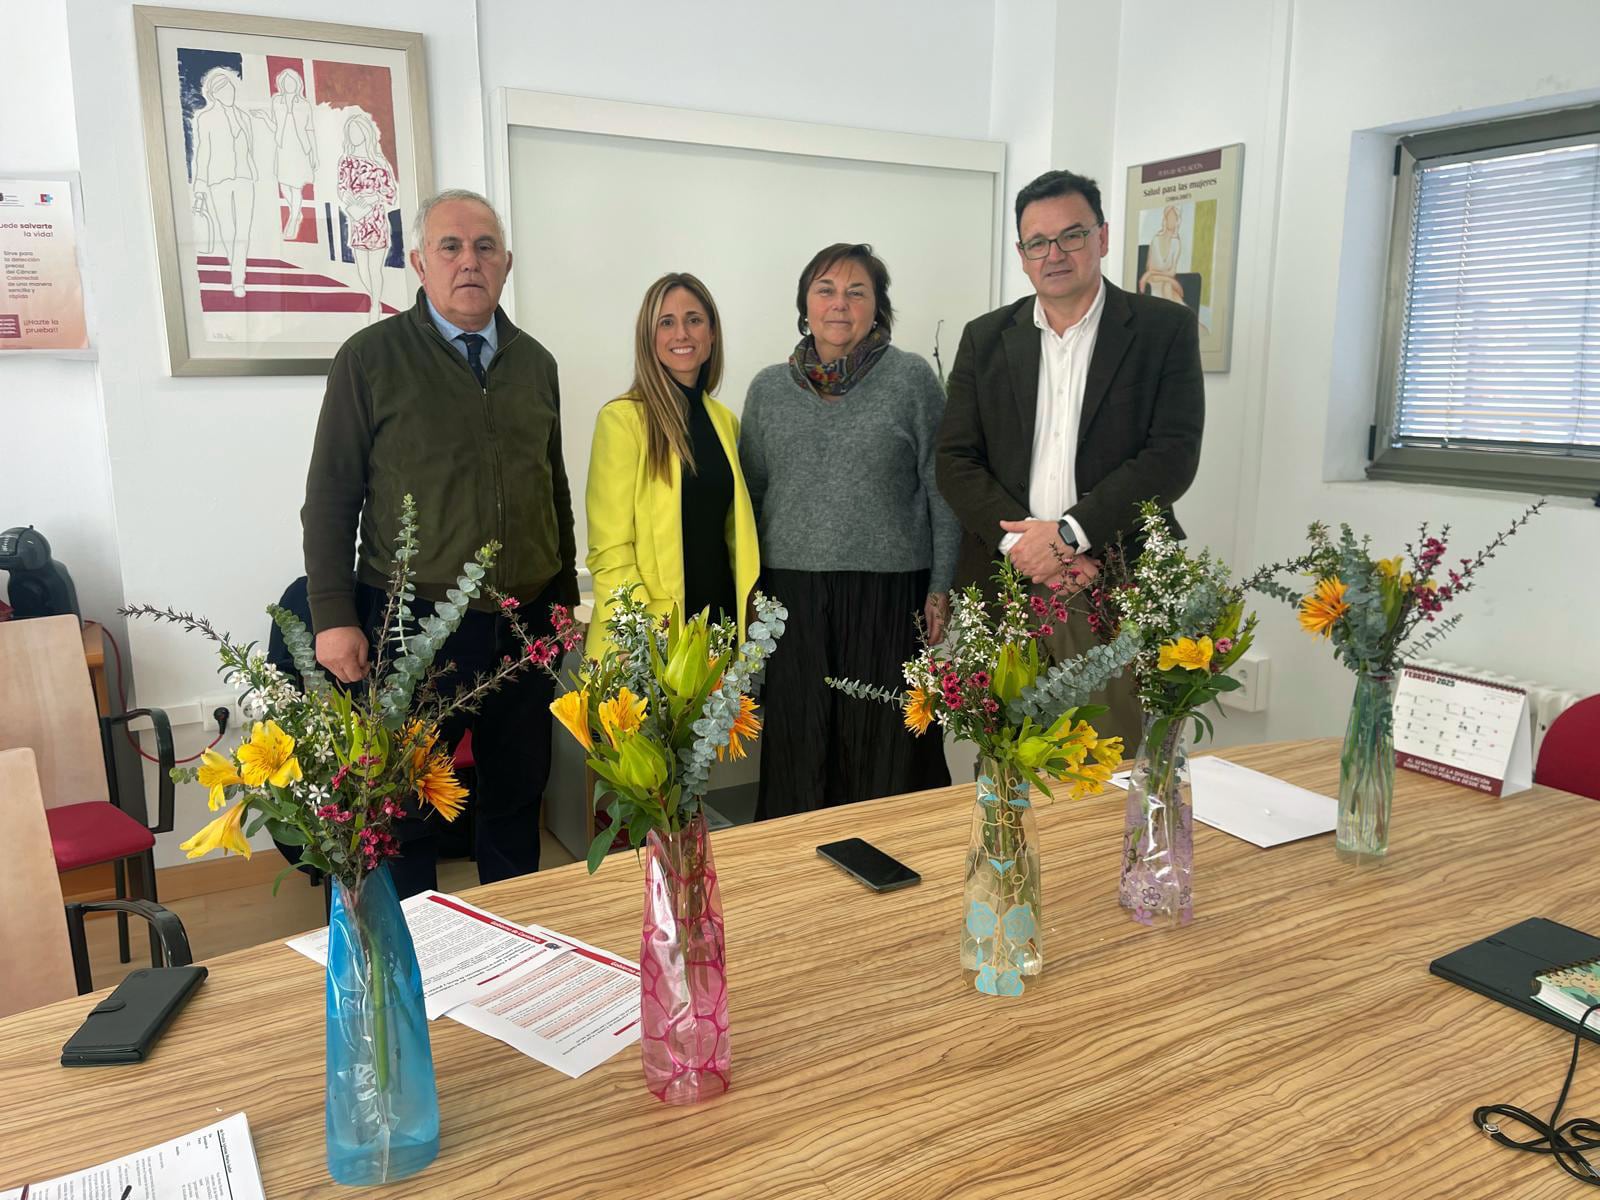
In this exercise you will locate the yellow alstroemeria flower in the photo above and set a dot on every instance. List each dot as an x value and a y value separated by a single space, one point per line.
438 786
1389 568
746 726
268 757
222 834
218 774
1108 753
622 714
1186 653
572 710
919 711
1322 607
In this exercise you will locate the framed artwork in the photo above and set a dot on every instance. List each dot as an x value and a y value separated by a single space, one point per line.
286 160
1181 239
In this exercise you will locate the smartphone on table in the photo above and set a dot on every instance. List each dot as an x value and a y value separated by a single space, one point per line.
869 864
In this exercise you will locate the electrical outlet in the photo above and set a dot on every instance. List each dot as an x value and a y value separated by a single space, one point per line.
210 704
1252 673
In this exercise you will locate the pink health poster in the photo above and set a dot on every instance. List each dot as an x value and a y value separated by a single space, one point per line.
41 292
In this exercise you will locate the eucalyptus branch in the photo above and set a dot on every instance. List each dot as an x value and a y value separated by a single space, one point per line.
302 648
1070 684
865 691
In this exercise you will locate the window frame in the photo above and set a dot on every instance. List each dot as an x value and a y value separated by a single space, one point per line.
1514 470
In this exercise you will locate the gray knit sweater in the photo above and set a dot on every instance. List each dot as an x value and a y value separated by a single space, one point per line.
846 483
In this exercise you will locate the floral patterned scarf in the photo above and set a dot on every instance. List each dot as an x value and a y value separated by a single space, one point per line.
837 377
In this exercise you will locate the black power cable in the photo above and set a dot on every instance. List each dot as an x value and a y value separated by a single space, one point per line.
1565 1141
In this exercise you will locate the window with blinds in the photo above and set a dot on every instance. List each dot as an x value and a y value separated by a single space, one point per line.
1492 346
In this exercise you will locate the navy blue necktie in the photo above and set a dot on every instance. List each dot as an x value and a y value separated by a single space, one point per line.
474 343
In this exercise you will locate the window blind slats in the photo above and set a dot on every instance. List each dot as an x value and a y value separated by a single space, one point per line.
1501 338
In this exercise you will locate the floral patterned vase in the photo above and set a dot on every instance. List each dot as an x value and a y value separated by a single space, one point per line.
683 974
382 1110
1001 940
1158 834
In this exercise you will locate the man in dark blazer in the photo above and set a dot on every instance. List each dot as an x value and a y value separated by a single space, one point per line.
1066 410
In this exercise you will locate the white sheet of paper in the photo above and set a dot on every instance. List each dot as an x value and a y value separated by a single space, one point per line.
219 1160
1255 807
571 1011
1251 806
461 949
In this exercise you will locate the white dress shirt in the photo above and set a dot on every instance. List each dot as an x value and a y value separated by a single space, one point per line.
1063 375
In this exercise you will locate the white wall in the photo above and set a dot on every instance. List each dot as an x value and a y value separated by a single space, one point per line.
55 472
1279 436
902 65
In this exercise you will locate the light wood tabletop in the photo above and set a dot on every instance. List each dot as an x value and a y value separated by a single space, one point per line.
1289 1043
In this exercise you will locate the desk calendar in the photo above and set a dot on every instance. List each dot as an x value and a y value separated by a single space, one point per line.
1465 730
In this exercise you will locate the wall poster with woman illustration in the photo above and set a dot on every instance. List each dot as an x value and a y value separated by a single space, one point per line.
1180 240
286 159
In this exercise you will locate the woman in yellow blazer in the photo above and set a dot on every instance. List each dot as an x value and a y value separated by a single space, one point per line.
667 504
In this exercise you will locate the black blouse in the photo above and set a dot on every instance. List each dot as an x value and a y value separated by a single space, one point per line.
707 500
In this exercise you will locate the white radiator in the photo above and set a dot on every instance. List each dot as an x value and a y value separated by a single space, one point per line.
1545 703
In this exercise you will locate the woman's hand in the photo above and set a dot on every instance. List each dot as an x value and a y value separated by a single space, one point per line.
936 615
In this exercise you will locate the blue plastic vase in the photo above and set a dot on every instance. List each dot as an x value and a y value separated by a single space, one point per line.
382 1106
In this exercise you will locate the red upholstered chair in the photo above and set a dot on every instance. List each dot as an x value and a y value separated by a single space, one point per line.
1569 757
47 704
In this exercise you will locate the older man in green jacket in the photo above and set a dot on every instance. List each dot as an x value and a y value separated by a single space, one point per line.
452 403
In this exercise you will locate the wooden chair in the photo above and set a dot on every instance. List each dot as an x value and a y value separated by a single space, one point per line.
43 955
47 703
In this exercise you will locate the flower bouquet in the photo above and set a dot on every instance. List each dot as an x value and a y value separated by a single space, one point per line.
1372 609
1193 629
330 770
989 683
665 701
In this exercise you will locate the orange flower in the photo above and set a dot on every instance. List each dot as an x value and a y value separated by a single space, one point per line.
421 744
745 726
1322 607
919 711
438 786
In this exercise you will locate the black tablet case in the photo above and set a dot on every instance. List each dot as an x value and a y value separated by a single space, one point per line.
1503 965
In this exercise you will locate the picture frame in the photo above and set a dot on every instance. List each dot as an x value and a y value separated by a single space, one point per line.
1181 239
286 161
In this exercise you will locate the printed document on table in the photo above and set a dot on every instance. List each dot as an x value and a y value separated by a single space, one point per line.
218 1160
463 951
571 1011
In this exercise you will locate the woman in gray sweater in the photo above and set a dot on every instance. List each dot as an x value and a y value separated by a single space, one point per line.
837 448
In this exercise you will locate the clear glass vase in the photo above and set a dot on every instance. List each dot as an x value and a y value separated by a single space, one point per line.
1001 938
1158 834
382 1112
683 975
1366 771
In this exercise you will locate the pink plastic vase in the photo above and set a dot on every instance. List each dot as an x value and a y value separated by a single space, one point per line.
683 976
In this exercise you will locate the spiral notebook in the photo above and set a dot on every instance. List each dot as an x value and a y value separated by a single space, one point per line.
1572 989
1512 967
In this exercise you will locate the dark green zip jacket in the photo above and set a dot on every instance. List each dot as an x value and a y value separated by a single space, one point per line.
404 413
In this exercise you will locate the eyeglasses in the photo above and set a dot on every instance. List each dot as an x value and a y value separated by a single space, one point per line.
1072 239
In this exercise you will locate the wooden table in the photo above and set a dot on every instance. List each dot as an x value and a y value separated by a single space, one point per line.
1289 1043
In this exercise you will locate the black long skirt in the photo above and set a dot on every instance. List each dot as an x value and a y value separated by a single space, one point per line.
820 747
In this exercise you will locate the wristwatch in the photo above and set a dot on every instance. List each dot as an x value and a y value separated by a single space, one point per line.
1067 535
